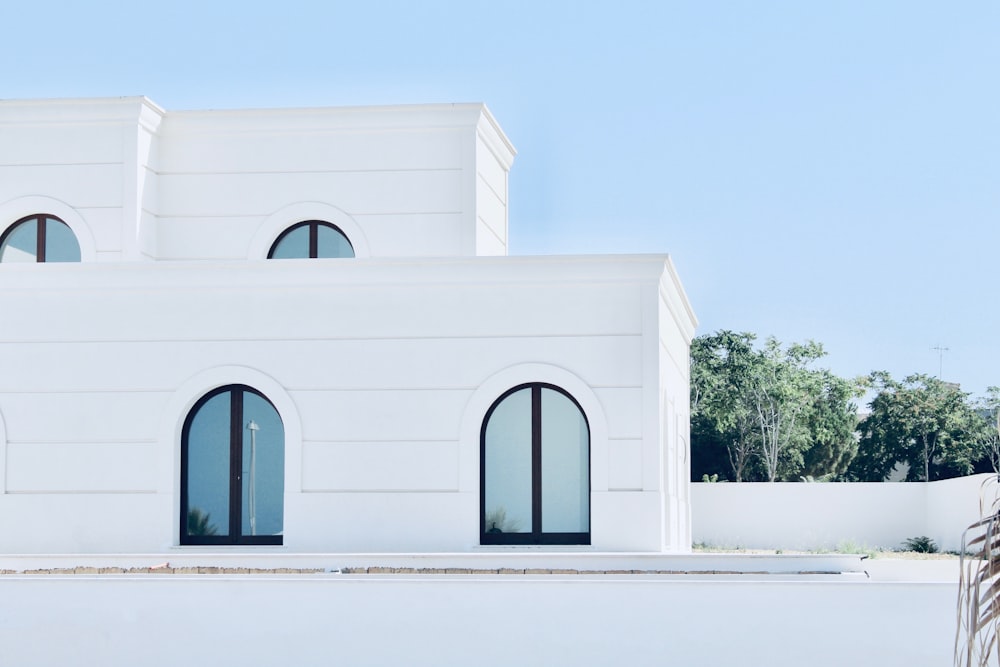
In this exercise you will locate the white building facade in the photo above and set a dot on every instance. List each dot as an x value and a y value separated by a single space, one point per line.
300 330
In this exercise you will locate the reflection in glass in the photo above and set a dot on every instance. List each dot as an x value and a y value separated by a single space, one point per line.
208 468
313 238
565 465
233 467
508 465
40 239
330 242
60 242
21 243
535 469
293 244
263 469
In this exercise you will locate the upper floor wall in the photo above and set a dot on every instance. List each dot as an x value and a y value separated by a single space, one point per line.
135 182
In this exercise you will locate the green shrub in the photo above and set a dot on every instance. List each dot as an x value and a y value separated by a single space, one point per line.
921 544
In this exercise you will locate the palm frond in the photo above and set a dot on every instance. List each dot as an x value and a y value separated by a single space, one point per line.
978 609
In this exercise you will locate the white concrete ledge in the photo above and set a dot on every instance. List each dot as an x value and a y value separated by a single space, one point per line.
508 561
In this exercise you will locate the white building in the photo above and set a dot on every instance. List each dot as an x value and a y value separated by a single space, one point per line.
391 401
169 380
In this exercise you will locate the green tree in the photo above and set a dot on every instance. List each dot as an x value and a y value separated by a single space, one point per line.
721 419
762 413
784 391
922 421
988 410
832 423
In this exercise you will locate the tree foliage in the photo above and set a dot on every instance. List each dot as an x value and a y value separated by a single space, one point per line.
832 423
764 413
721 418
988 410
923 422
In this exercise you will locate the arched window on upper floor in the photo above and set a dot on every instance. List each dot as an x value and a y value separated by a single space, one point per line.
312 238
535 469
39 238
232 469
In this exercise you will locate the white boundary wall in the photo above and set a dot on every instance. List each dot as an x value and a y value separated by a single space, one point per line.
825 516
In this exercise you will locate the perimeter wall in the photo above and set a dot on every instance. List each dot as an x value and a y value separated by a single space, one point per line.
830 516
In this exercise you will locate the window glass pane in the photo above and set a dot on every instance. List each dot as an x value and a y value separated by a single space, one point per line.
60 242
508 465
294 244
565 466
21 243
263 467
331 243
208 468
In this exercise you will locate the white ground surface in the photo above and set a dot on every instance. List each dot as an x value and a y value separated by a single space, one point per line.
903 613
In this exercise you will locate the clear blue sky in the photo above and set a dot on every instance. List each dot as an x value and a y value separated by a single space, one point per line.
817 170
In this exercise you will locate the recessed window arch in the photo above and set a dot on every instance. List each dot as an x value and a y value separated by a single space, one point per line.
312 239
232 469
535 468
39 238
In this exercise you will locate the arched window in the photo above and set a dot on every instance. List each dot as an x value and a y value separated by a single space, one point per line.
39 238
232 470
312 238
535 469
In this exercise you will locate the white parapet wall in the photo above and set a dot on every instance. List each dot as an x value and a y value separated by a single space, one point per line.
830 516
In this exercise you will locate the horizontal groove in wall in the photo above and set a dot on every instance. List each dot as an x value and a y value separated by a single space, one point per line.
290 389
260 339
490 227
404 213
358 441
21 165
82 443
404 170
385 491
254 216
36 492
490 187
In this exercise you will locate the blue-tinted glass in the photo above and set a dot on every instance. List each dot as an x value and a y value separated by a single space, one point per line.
293 244
508 465
565 465
331 243
60 242
263 467
21 243
208 468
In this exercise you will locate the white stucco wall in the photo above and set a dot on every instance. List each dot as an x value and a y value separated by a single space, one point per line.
144 183
382 371
826 516
381 367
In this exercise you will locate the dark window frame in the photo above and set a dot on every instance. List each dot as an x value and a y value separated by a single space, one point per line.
314 226
39 219
234 537
537 535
